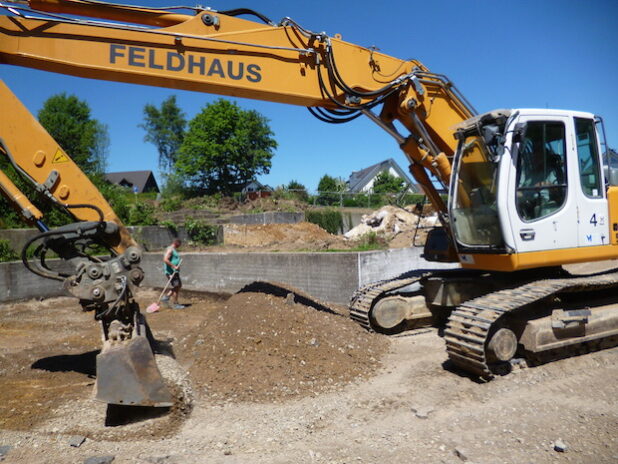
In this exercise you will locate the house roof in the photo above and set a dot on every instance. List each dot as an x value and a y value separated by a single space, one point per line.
257 185
358 179
131 179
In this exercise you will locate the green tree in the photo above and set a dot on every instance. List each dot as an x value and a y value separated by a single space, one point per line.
327 186
224 148
385 182
165 128
298 190
69 122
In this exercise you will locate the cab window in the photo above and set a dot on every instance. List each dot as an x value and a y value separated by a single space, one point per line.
541 170
588 157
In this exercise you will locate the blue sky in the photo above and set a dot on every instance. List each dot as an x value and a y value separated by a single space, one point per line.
527 54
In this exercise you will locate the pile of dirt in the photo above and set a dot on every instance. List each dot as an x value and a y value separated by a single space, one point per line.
259 347
389 222
249 347
303 236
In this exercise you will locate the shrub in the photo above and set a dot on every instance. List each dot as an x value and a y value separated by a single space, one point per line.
329 220
370 241
171 204
116 196
142 214
200 232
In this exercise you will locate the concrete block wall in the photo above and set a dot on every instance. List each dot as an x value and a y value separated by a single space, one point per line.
271 217
330 277
327 276
18 283
149 237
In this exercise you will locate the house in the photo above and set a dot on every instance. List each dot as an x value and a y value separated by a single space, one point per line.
137 181
362 181
255 189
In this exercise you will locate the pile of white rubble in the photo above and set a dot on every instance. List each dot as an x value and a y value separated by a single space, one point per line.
389 221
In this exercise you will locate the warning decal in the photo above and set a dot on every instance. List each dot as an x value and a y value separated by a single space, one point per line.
60 157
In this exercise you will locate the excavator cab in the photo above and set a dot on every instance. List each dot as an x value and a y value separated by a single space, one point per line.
528 191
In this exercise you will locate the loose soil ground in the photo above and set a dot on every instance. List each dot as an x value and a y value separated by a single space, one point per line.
303 236
268 377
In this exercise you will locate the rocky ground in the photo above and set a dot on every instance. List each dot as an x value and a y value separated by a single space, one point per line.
267 377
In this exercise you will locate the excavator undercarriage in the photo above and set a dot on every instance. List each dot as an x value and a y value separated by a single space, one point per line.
492 321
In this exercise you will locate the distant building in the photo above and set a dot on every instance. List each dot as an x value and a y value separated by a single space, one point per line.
255 189
362 181
137 181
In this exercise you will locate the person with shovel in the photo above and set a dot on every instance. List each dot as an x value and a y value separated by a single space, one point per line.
171 267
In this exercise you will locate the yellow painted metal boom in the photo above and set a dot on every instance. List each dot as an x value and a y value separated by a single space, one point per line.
214 52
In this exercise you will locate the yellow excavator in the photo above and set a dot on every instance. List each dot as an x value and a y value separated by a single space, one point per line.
527 192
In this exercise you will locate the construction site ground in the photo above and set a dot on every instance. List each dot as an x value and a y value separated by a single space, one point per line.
263 376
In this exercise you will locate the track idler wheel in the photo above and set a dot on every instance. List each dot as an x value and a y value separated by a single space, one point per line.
502 346
393 314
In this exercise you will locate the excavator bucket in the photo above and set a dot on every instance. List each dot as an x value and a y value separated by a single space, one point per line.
128 375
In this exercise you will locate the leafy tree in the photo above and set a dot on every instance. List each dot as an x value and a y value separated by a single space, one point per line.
385 182
165 128
331 184
327 186
68 121
298 190
224 148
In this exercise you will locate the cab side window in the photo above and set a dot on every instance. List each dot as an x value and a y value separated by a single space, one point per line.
541 170
588 157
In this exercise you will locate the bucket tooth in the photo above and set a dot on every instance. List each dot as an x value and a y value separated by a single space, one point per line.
127 374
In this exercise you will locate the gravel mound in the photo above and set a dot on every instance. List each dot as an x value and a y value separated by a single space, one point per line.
259 347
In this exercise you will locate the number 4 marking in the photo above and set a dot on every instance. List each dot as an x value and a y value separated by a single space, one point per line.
593 220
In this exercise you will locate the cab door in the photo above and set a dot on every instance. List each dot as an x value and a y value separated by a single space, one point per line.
593 224
543 209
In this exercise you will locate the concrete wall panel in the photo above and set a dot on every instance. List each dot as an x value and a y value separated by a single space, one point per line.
327 276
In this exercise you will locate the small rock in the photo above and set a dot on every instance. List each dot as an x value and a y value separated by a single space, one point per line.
4 450
461 453
560 446
100 460
227 452
422 413
159 459
77 441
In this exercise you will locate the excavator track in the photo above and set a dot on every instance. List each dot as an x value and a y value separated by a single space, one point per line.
365 297
472 323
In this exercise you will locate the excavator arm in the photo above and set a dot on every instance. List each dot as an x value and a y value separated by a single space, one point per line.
202 50
221 53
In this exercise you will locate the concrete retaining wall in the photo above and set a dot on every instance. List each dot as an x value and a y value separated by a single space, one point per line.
331 277
150 238
272 217
18 283
327 276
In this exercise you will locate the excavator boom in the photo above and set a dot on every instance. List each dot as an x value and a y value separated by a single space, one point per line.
219 53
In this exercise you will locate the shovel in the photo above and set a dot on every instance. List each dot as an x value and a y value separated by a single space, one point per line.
154 307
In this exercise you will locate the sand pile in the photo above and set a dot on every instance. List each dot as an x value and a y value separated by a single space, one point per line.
284 237
259 347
